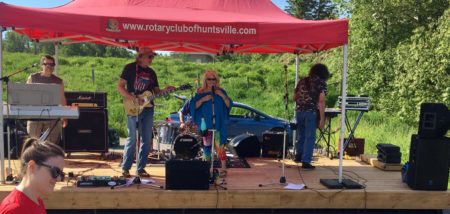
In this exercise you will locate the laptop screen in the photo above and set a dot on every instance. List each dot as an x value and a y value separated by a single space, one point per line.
34 94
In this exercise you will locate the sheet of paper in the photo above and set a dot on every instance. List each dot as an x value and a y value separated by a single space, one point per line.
295 186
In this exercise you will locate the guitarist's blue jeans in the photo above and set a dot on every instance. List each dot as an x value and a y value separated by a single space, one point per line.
306 129
146 127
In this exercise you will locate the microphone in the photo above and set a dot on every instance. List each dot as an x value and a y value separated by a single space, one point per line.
213 89
32 66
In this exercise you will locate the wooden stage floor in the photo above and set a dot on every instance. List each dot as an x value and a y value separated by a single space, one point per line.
384 190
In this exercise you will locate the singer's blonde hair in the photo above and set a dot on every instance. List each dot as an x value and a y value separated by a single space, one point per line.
205 76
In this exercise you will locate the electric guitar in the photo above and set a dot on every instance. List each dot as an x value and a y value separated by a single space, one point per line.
132 108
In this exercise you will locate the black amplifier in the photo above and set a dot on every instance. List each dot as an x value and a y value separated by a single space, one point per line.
100 181
84 99
387 148
272 145
187 175
389 158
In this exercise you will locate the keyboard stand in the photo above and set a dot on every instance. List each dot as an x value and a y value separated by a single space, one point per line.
351 133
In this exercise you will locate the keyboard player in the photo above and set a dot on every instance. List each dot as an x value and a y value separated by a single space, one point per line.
36 127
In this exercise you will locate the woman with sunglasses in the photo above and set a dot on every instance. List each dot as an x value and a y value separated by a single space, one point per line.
46 76
42 165
212 105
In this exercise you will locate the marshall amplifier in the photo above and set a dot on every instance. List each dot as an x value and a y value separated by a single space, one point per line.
84 99
88 133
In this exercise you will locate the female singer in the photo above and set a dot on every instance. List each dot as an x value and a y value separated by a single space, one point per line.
212 105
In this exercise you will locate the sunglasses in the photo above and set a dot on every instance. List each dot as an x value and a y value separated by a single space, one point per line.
211 79
54 171
49 64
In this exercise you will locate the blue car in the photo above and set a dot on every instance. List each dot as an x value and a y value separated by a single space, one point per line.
246 119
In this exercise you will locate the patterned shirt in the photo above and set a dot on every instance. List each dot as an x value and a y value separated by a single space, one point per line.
309 89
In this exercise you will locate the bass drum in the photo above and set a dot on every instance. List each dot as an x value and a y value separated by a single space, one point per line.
186 146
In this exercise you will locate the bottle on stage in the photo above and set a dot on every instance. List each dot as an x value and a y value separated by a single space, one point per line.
203 128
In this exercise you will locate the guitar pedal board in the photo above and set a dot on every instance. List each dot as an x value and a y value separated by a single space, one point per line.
100 181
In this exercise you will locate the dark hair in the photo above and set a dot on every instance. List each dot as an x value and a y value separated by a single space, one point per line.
46 57
320 70
38 151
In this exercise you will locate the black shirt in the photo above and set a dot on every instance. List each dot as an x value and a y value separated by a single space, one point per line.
139 79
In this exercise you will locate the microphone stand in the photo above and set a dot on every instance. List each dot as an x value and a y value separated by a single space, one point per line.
213 130
5 79
214 172
286 103
282 180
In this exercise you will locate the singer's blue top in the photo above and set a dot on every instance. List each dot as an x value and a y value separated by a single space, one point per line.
206 111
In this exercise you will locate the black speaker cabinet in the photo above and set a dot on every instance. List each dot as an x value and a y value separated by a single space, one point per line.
245 145
272 145
187 175
88 133
428 163
434 120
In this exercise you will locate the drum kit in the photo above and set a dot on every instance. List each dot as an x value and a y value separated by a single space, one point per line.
171 142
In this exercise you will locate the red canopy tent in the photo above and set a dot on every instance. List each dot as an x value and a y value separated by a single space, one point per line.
211 26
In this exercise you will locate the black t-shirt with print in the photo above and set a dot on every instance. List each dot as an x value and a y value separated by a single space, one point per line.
139 79
309 89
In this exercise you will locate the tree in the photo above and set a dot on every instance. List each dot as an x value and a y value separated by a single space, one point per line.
15 42
312 9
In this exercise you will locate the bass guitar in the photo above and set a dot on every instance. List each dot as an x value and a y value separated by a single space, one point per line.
132 107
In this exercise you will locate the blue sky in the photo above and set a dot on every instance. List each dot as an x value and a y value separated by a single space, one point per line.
53 3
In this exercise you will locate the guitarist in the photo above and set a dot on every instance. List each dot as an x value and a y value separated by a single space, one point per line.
136 78
309 96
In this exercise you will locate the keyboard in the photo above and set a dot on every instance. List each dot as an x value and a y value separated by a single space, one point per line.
40 112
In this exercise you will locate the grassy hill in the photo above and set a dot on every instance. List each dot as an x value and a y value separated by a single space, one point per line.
259 83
